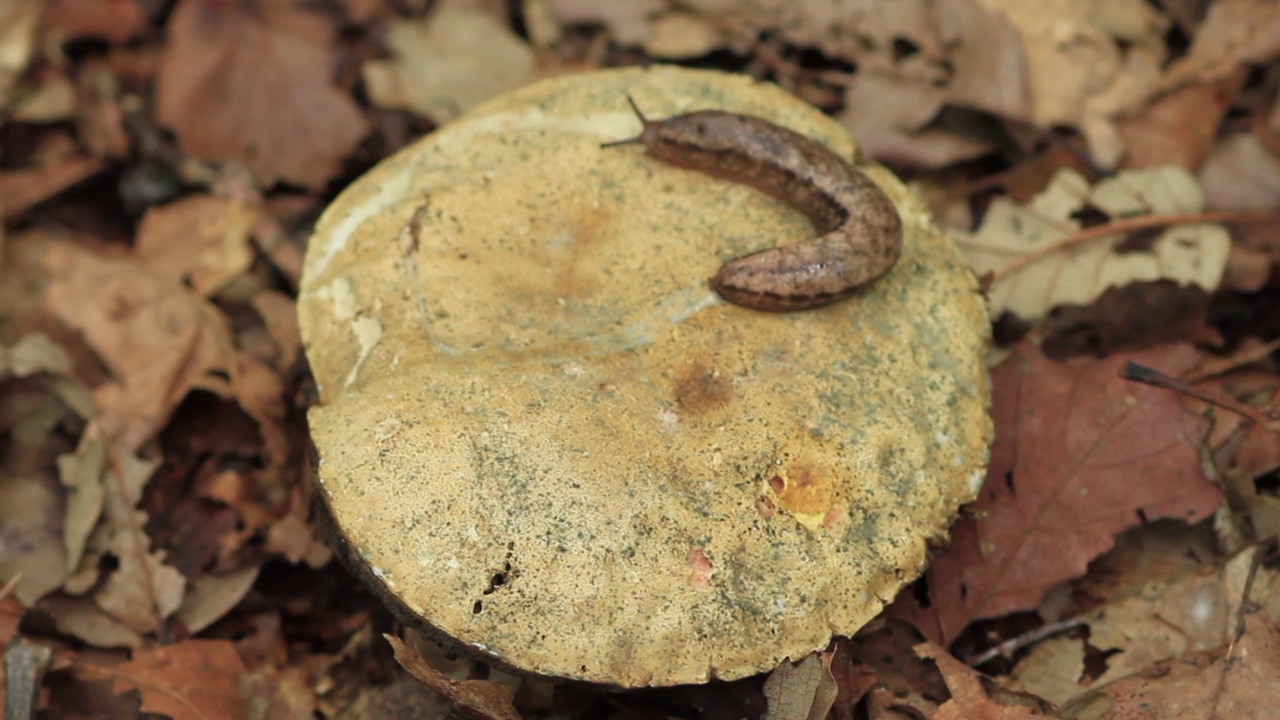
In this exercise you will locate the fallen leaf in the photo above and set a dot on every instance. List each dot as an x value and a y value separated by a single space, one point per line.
1022 245
279 314
448 62
81 473
19 20
1241 174
200 241
189 680
1087 62
801 691
115 21
249 80
1240 686
1233 32
159 339
681 35
628 23
1051 669
20 190
1179 128
30 495
142 591
477 699
79 617
1070 439
210 597
972 699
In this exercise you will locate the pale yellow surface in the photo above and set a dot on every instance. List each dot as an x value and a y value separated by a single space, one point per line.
525 378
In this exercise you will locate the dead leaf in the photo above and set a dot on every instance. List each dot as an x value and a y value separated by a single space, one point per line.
1022 245
972 699
115 21
477 699
249 80
280 316
19 20
30 496
627 22
142 591
1233 32
1087 62
1070 441
189 680
20 190
81 473
448 62
681 35
1241 174
159 339
801 691
210 597
79 617
200 241
1051 669
1179 128
1240 686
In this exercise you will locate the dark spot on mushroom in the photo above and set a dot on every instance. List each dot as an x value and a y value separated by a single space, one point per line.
475 609
701 388
777 484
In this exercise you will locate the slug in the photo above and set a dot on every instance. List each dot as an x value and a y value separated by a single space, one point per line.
859 232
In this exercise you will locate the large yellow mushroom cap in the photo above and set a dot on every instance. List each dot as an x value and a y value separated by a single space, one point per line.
542 436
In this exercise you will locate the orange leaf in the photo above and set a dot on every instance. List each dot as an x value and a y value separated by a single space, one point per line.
190 680
1079 455
249 80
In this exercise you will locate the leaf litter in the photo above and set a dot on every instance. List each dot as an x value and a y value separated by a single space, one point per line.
161 164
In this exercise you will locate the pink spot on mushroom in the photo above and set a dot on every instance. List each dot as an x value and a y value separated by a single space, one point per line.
700 577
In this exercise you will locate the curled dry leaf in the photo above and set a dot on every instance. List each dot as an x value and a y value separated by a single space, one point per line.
19 20
200 241
478 699
1070 441
1088 62
1036 267
974 699
249 80
1233 32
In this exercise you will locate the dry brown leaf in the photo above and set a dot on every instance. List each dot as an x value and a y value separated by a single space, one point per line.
200 241
159 339
1012 235
448 62
1239 686
19 20
681 35
1233 32
1241 174
249 80
972 699
142 591
20 190
801 691
1051 669
79 617
279 314
628 21
81 473
1070 439
212 596
477 699
115 21
189 680
1179 128
1087 62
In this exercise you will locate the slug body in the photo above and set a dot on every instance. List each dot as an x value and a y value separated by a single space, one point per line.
859 232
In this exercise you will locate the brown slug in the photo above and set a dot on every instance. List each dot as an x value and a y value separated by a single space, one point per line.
860 233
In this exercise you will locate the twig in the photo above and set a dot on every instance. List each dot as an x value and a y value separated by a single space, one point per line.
24 666
10 586
1130 224
1148 376
1007 648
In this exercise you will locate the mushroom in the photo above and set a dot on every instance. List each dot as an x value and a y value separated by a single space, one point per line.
542 437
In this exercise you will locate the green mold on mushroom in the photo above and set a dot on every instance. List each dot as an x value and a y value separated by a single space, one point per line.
542 437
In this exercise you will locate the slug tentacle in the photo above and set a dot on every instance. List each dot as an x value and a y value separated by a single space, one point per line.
860 232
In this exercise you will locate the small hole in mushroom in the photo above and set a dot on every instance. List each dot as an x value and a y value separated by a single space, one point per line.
777 483
475 609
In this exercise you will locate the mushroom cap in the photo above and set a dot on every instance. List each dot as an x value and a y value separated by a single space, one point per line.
541 436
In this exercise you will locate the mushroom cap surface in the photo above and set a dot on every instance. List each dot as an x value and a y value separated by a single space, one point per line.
542 436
